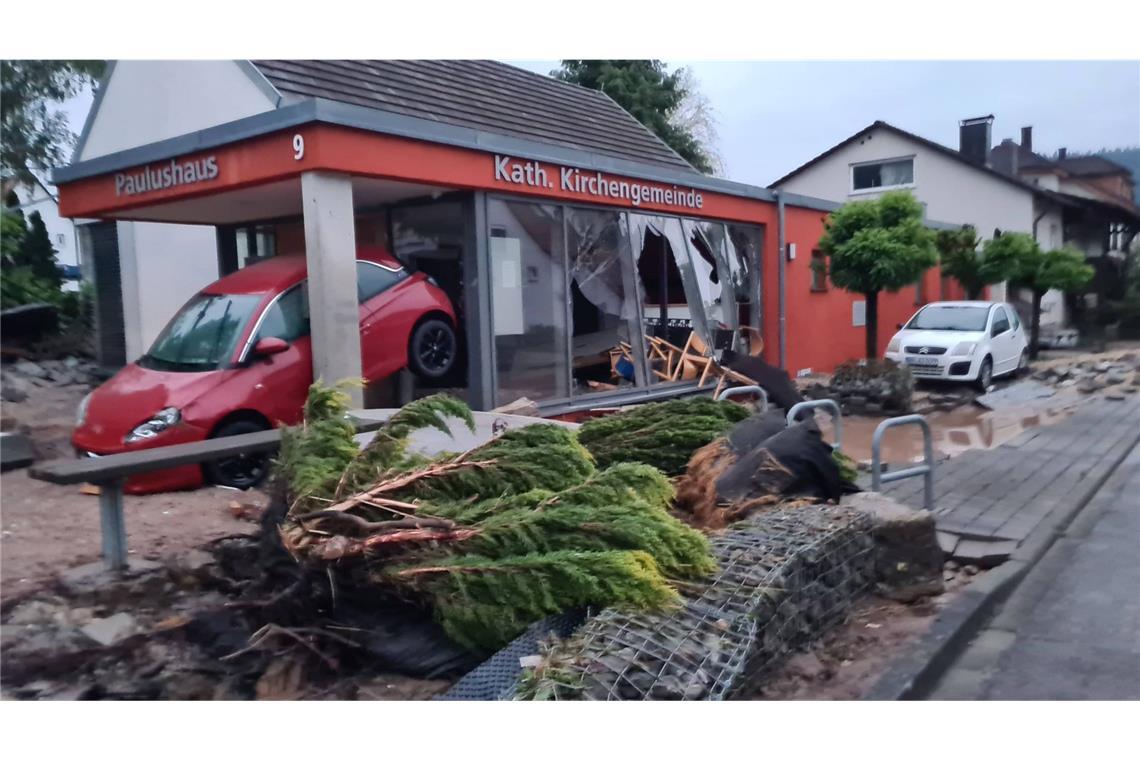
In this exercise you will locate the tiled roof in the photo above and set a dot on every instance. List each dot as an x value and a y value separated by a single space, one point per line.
483 95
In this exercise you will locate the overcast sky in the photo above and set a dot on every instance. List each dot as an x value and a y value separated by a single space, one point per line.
772 117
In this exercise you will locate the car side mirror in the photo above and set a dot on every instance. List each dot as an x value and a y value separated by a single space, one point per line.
269 346
899 326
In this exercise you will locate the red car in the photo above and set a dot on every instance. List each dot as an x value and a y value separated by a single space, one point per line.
237 359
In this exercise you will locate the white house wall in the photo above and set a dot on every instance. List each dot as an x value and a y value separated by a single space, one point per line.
951 191
148 101
162 265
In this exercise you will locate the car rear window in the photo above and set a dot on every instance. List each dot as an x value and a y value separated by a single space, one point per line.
963 318
202 334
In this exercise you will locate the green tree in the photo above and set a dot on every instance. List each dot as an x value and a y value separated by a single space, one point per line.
1062 269
649 92
35 135
960 258
877 245
38 254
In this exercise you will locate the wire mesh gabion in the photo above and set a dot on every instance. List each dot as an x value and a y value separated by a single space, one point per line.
784 577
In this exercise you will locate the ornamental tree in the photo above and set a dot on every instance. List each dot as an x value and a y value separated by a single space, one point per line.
960 258
877 245
1062 269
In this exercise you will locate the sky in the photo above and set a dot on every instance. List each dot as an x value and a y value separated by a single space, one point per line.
775 116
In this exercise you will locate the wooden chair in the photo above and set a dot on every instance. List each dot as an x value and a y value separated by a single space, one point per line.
696 359
755 340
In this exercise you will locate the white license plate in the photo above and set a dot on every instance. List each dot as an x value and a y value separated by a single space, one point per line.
923 361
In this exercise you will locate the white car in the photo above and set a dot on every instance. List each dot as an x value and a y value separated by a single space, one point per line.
971 341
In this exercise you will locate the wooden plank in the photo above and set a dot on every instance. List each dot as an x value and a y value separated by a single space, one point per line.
115 467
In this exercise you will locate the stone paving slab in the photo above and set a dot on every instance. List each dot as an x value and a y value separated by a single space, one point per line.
1004 493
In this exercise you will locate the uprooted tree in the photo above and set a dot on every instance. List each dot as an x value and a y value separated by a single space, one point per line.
491 539
877 245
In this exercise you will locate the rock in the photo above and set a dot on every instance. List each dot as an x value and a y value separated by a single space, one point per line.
30 369
970 569
950 565
35 612
1115 377
908 558
110 630
1067 383
14 389
1115 395
71 362
1087 386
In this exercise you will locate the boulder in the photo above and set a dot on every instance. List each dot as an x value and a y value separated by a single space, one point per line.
908 558
30 369
14 388
109 631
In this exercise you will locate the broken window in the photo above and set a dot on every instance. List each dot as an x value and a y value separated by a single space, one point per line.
602 309
742 250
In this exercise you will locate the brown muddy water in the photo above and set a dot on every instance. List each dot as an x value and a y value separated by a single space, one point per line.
967 427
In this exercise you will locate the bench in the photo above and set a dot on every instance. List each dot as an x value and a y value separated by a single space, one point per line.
109 472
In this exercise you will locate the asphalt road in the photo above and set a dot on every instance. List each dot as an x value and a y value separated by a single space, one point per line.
1071 630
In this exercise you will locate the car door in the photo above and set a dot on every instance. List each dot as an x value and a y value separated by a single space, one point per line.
280 383
1002 342
383 342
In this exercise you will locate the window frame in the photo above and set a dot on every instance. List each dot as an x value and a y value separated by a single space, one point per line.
820 286
999 313
852 190
401 272
643 387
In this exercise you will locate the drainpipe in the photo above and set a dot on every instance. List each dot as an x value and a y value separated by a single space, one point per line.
1035 221
780 293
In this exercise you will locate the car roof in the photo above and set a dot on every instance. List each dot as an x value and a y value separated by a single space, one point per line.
962 303
278 273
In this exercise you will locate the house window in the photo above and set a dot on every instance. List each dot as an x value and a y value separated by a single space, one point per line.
882 174
818 271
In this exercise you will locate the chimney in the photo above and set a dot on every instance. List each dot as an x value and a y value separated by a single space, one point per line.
1027 138
974 138
1062 153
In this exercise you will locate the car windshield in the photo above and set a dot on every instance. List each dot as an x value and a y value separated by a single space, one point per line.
963 318
202 335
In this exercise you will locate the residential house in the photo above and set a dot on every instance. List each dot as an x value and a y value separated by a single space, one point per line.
38 197
1087 203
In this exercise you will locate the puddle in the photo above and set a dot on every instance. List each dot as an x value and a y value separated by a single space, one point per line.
962 429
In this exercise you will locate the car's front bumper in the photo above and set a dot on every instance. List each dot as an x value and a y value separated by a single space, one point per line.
173 479
944 367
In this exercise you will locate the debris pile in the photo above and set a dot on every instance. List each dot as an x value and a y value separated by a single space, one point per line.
761 463
1117 377
872 387
785 576
490 540
19 378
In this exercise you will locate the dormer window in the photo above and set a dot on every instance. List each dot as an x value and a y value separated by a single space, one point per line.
882 175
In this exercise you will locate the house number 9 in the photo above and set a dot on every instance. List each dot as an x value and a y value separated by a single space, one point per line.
298 147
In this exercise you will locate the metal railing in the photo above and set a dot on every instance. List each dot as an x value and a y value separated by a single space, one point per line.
926 469
744 390
111 472
823 403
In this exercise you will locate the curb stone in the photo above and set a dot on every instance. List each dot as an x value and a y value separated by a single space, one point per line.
917 673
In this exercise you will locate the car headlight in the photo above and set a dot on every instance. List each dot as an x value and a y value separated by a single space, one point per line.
81 412
893 346
155 425
964 349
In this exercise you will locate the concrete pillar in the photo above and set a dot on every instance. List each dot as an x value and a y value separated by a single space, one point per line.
330 250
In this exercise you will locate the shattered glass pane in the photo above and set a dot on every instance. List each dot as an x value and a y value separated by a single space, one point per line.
671 298
603 312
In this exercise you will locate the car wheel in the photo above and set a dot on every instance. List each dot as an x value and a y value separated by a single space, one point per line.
243 471
432 348
1023 362
985 374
